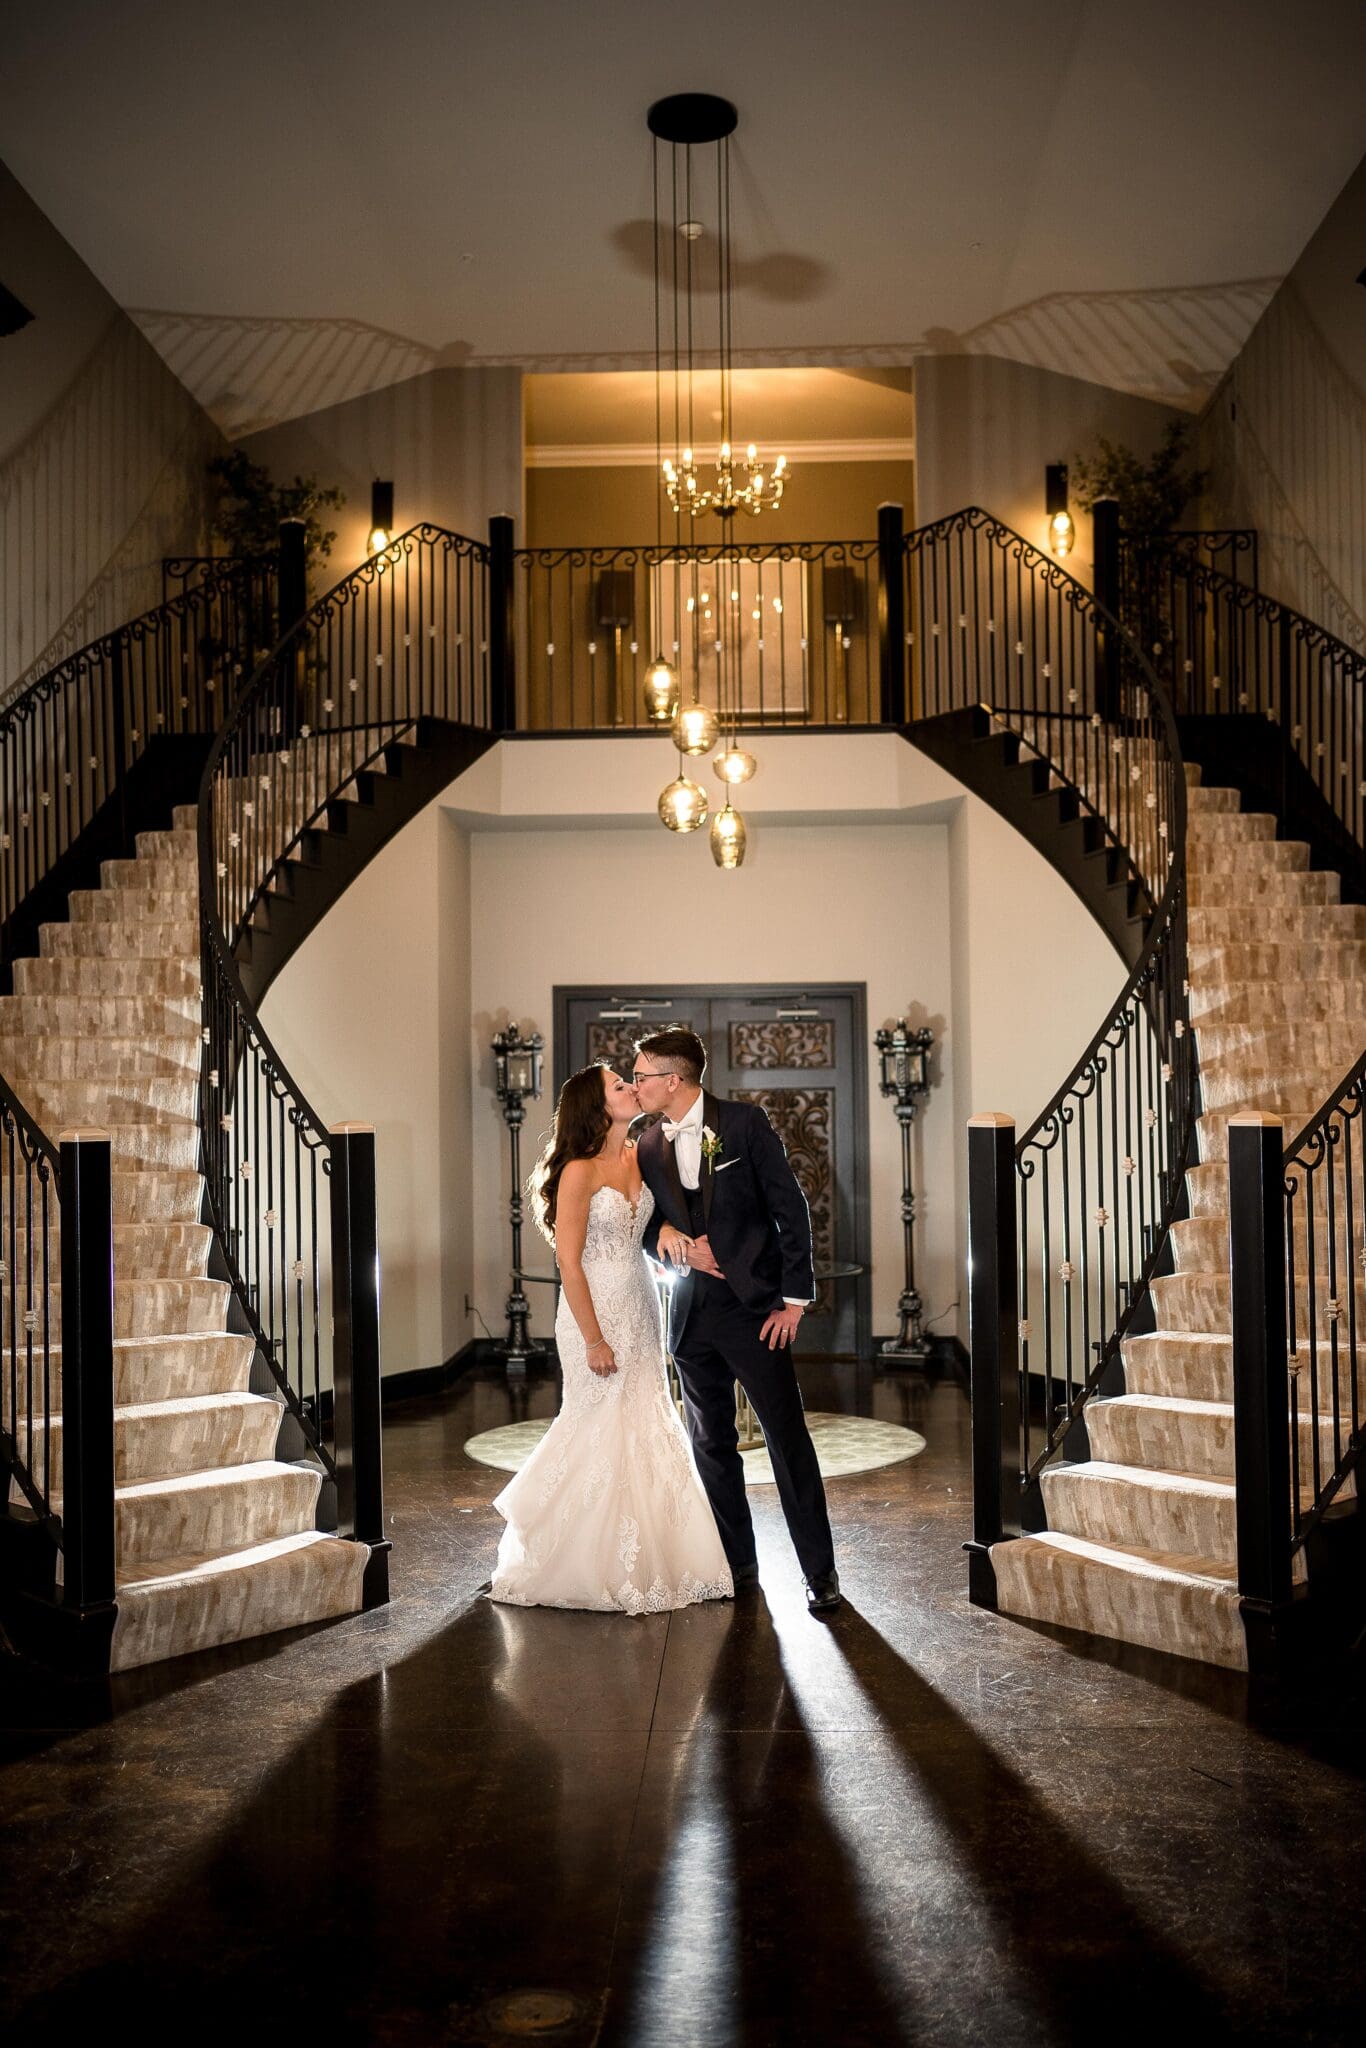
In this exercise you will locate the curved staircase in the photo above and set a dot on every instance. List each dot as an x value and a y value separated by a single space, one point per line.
1141 1540
215 1535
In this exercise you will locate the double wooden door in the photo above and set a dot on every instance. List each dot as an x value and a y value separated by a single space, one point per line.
802 1055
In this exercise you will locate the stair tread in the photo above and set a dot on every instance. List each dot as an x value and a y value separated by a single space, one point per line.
1149 1476
1173 1566
144 1575
258 1470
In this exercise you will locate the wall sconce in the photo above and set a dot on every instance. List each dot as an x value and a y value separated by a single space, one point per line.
381 516
1061 532
518 1061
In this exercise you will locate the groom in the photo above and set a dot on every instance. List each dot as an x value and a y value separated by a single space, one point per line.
731 1219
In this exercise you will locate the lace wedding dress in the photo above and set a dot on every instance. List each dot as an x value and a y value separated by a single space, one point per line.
608 1511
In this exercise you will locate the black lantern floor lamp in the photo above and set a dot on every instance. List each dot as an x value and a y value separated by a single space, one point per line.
905 1056
518 1062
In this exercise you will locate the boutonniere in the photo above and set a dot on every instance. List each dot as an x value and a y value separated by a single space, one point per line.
711 1147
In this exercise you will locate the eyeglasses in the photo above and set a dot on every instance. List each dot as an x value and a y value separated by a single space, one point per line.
649 1077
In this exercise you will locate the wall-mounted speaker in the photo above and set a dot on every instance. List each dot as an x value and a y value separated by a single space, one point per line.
841 594
616 599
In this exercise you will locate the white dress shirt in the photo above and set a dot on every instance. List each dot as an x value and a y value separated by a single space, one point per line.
687 1144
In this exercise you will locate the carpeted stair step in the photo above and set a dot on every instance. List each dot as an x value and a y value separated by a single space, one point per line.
1335 1045
142 1251
169 940
60 1058
1222 1087
147 1020
151 1306
135 903
1204 1301
1172 1433
1274 1002
217 1509
1172 1512
1205 829
1212 1131
1130 1593
1290 923
1272 887
163 1439
1197 1365
177 845
171 1368
63 1104
1286 960
226 1596
1241 856
87 974
156 1194
177 874
1200 800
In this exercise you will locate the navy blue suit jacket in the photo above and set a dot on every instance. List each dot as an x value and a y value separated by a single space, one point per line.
757 1220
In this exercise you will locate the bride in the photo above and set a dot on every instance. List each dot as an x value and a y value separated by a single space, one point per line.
608 1511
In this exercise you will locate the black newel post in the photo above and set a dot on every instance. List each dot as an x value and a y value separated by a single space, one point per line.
1105 551
502 628
891 614
356 1416
293 605
87 1268
118 767
993 1345
1261 1380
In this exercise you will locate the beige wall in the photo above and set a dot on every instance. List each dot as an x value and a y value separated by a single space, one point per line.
102 454
1285 434
618 507
537 868
370 1017
986 429
450 441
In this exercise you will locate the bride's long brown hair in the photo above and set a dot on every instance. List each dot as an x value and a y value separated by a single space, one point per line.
577 1131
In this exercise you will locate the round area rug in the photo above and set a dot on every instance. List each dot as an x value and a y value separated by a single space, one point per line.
844 1444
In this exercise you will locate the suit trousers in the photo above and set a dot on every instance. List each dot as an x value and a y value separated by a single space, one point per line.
717 1344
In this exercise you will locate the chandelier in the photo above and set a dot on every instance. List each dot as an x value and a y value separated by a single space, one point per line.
688 265
692 268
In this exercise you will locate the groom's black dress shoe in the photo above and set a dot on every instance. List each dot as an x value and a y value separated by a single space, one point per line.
744 1577
823 1595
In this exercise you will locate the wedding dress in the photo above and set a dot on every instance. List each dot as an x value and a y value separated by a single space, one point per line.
608 1511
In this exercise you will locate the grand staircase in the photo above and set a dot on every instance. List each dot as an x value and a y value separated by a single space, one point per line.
216 1535
1141 1543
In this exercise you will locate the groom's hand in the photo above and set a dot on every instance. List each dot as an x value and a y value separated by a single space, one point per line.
702 1259
781 1326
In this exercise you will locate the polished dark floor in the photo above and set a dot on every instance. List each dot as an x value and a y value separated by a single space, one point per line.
915 1823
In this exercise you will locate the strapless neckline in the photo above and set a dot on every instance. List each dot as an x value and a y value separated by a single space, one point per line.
608 1189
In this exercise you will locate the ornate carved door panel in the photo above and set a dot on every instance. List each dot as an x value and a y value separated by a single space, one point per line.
801 1055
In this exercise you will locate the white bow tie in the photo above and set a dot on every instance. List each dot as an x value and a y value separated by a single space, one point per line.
671 1131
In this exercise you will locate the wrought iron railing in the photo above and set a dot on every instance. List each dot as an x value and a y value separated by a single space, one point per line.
68 742
404 638
1297 1236
1226 648
1067 1223
801 616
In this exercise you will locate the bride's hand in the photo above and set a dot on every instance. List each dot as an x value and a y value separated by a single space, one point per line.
674 1247
602 1361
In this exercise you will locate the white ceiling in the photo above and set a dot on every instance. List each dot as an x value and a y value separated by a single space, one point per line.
302 201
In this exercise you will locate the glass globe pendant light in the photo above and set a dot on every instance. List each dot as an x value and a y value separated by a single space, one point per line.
735 765
728 837
695 729
661 691
683 805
